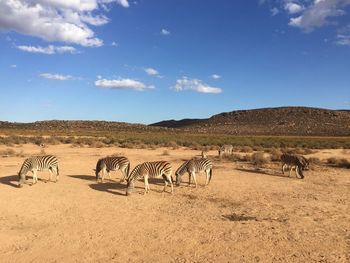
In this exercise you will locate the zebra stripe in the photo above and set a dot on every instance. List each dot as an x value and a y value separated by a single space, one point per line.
225 149
194 166
38 163
150 169
108 164
298 162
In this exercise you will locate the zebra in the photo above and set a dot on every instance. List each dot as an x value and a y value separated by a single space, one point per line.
38 163
191 167
151 169
298 162
225 149
108 164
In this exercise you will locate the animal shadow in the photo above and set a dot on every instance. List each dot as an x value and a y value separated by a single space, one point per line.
264 172
237 218
9 180
109 188
84 177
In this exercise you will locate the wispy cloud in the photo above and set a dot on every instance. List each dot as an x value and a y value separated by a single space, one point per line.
194 85
122 84
49 50
215 76
55 76
343 36
165 32
151 71
13 66
114 44
274 11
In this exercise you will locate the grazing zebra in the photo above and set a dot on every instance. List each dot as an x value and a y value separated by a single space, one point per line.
38 163
298 162
225 149
150 169
192 167
108 164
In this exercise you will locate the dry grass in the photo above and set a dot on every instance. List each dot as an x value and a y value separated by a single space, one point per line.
11 153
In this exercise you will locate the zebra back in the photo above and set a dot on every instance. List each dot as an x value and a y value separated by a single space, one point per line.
152 169
194 165
38 163
112 163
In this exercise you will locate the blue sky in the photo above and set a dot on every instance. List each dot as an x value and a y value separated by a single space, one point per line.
148 60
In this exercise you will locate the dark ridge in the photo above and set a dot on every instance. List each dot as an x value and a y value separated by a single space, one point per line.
296 121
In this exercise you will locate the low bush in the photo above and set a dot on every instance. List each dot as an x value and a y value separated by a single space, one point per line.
259 159
338 162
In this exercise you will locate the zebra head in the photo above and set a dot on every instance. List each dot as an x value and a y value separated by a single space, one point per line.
178 178
132 177
180 171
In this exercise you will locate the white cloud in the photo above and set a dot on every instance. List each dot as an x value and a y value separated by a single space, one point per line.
274 11
114 44
56 20
215 76
195 85
151 71
122 84
293 8
319 13
123 3
49 50
55 76
165 32
13 66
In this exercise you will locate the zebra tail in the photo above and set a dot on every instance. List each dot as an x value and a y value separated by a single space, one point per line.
58 171
210 175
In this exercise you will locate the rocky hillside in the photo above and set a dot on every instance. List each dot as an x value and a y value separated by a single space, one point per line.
270 121
298 121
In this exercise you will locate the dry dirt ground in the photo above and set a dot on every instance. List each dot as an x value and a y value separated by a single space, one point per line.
244 215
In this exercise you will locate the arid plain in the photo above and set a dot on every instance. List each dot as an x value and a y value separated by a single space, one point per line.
244 215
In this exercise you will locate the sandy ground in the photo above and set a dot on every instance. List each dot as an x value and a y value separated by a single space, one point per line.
244 215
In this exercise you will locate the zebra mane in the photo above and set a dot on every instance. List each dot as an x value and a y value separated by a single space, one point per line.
135 173
182 169
25 166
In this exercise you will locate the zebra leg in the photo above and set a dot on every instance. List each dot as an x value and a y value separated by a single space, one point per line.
57 174
109 174
124 176
50 171
283 166
290 171
169 179
194 179
146 184
103 174
207 178
189 179
35 177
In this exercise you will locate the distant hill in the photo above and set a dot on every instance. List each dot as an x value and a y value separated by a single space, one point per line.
294 121
298 121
